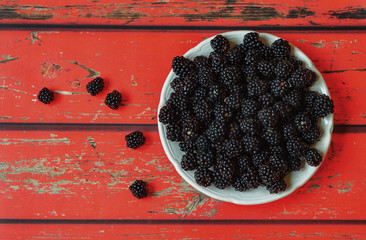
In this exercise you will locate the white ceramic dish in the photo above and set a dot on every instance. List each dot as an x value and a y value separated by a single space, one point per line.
260 195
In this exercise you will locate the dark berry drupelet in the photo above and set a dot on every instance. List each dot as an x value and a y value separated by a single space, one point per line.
268 117
216 92
301 78
233 101
313 158
294 98
220 43
220 181
283 69
235 56
279 87
289 131
202 143
202 111
251 178
135 139
250 71
234 130
187 146
323 106
277 187
294 164
266 52
113 100
190 129
206 76
45 96
268 174
281 49
189 161
95 86
182 66
251 40
244 162
296 147
138 189
203 176
222 112
239 185
167 114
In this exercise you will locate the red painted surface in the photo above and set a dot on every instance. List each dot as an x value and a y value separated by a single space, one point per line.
137 63
186 13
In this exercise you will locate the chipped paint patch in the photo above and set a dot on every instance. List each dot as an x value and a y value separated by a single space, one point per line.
50 70
7 58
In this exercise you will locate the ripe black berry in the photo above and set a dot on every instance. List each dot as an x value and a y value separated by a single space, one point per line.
45 96
135 139
138 189
113 100
95 86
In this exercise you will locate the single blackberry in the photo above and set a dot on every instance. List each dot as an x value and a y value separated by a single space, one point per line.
113 100
313 158
281 49
260 158
266 68
230 75
45 96
220 44
244 163
323 106
302 122
190 129
283 109
268 174
277 149
202 143
182 66
296 147
268 117
251 40
295 62
201 62
277 187
225 168
189 161
283 69
257 87
138 189
216 93
185 86
279 162
216 131
202 111
253 56
309 98
174 132
251 144
272 136
206 159
249 108
312 135
294 98
218 62
239 185
167 114
279 87
266 52
234 130
187 146
233 101
294 164
266 100
95 86
222 112
135 139
220 181
236 56
206 76
233 147
199 94
250 71
249 126
289 131
251 178
311 76
203 176
300 78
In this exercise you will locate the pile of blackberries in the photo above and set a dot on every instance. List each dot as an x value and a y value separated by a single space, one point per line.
244 116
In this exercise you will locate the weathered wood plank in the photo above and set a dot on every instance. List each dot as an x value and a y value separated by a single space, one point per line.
187 13
85 175
182 231
137 63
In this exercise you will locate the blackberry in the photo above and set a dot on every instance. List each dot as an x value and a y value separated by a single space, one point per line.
260 158
279 87
113 100
283 109
271 136
202 143
167 114
294 98
251 144
201 62
300 78
189 161
234 130
244 163
45 96
253 56
277 187
266 52
138 189
268 117
251 178
199 94
249 108
233 147
187 146
249 126
266 100
309 98
220 182
182 66
296 147
323 106
266 68
202 111
312 135
283 69
279 162
295 62
95 86
222 112
218 62
190 129
251 40
257 87
311 77
278 149
230 75
294 164
216 131
289 131
174 132
135 139
233 101
185 86
179 101
313 158
206 159
302 122
281 49
250 71
203 176
240 185
206 76
216 92
225 168
220 44
268 174
235 56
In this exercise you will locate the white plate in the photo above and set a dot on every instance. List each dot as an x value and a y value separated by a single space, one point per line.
260 195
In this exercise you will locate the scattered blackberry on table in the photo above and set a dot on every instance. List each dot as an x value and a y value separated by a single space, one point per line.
113 100
323 106
220 44
277 187
138 189
45 96
203 176
182 66
220 181
313 158
95 86
189 161
135 139
281 49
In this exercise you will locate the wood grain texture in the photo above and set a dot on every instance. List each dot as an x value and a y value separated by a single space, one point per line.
187 13
186 231
85 175
137 63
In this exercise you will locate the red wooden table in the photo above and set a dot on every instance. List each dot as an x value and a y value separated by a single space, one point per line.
64 167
